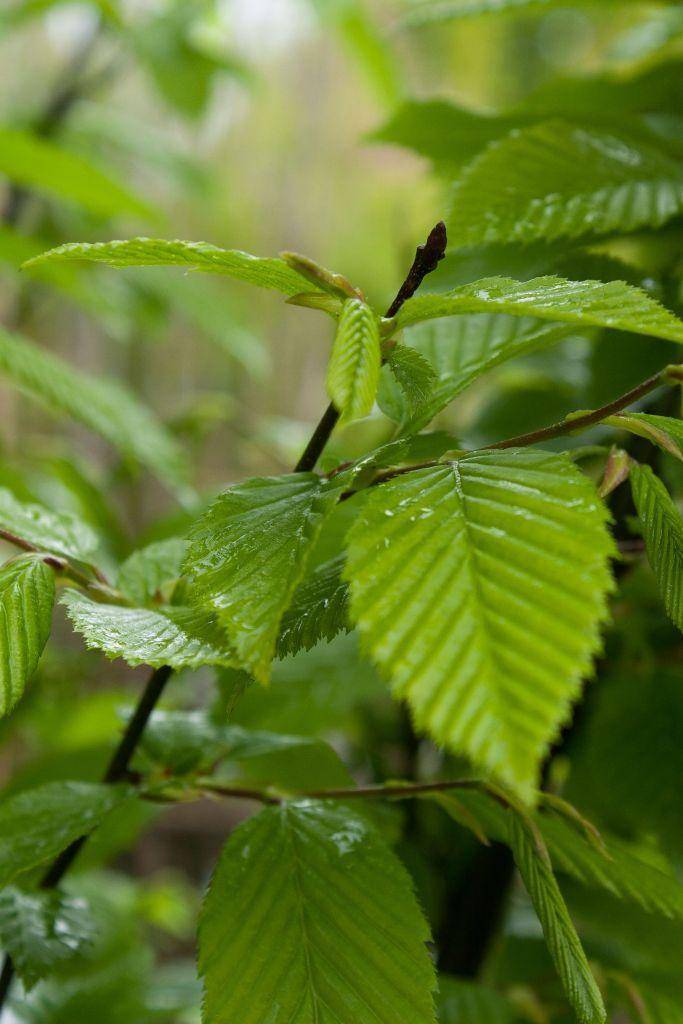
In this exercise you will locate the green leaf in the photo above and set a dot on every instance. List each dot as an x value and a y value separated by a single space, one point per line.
556 180
178 636
102 405
629 764
319 610
248 553
27 594
560 935
591 303
663 532
159 252
664 431
460 350
42 930
184 741
41 165
620 871
442 131
59 532
479 587
353 373
466 1002
37 824
144 575
309 918
414 374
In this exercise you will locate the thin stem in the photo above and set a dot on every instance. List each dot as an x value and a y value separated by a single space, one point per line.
99 587
401 790
570 425
587 419
426 260
116 771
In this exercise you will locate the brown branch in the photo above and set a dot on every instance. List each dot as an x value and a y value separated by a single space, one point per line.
426 260
570 425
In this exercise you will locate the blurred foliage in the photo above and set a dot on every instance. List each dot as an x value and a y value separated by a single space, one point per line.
338 128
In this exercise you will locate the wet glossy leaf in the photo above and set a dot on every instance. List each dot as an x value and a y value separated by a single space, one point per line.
555 180
590 303
27 594
308 903
42 931
37 824
175 635
479 587
60 533
161 252
248 553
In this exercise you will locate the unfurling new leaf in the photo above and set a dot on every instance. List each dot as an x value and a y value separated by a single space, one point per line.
353 373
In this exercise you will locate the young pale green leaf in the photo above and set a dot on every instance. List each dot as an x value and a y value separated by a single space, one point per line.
37 824
353 373
41 165
479 587
319 610
555 180
310 917
160 252
174 635
327 280
144 574
589 303
27 594
664 431
415 375
248 553
466 1002
560 935
58 532
460 350
41 931
663 532
102 405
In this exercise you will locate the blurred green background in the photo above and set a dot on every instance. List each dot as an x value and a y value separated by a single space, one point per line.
267 125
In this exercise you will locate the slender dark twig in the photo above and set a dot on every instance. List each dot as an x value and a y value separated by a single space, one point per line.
116 771
426 260
570 425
